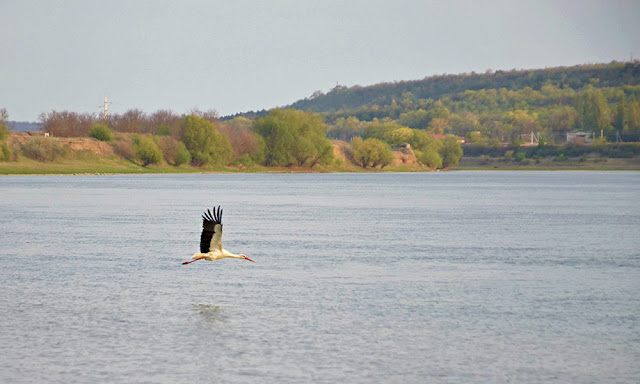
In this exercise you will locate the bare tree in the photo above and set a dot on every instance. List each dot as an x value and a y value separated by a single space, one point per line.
133 121
242 139
210 115
66 123
166 117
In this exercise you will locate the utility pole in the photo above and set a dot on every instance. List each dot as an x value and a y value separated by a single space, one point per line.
106 108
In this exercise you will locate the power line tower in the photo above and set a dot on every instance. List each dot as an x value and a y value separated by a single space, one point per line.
106 108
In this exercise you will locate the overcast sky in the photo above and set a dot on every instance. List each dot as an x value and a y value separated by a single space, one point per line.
235 56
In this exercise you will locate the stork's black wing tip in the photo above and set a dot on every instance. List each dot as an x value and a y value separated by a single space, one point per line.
215 216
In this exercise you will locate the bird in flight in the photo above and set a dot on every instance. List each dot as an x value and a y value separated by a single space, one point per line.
211 239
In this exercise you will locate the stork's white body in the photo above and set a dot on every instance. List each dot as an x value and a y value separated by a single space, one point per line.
216 255
211 239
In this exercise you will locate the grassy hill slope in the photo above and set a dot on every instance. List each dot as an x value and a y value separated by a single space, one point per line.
435 87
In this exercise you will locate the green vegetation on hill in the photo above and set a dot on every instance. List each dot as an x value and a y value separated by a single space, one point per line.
495 113
436 87
503 106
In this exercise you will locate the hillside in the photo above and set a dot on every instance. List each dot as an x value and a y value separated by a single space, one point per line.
436 87
493 108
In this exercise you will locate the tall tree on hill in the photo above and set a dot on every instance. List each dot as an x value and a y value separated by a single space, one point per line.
593 111
522 123
620 119
562 119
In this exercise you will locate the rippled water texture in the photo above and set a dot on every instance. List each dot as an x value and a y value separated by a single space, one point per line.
359 278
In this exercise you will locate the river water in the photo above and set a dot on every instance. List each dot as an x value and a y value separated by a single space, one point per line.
454 277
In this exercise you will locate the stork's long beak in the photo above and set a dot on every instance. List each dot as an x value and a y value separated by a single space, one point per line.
246 258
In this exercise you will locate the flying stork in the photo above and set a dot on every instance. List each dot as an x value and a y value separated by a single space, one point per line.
211 239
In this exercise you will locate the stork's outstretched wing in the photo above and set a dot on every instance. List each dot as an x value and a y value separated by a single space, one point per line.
211 238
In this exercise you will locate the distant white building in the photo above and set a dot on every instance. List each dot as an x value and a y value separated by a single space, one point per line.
579 137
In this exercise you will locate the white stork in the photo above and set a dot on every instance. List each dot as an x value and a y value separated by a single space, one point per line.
211 239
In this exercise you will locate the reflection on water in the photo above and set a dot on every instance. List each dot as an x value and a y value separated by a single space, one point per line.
213 315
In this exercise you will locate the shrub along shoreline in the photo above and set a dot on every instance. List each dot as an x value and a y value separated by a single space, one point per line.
283 138
86 162
282 141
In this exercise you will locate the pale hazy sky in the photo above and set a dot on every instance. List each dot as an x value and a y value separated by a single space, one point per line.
235 56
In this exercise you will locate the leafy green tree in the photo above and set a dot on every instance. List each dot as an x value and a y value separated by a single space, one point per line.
294 138
182 155
620 114
147 151
415 119
408 100
633 117
346 128
163 130
439 110
394 109
4 131
430 158
205 144
279 139
562 119
451 151
381 130
5 152
508 155
476 138
438 125
401 135
465 122
420 139
101 132
593 110
371 152
521 122
426 148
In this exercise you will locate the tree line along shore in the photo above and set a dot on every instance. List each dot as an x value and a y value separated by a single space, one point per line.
582 117
105 151
282 140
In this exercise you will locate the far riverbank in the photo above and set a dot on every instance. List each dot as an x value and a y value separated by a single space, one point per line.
98 165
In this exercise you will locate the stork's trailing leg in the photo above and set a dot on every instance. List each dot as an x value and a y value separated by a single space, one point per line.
189 262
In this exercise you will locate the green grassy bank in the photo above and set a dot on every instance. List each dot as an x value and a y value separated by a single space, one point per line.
117 165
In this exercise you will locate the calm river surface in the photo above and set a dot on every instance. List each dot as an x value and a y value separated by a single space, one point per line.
455 277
